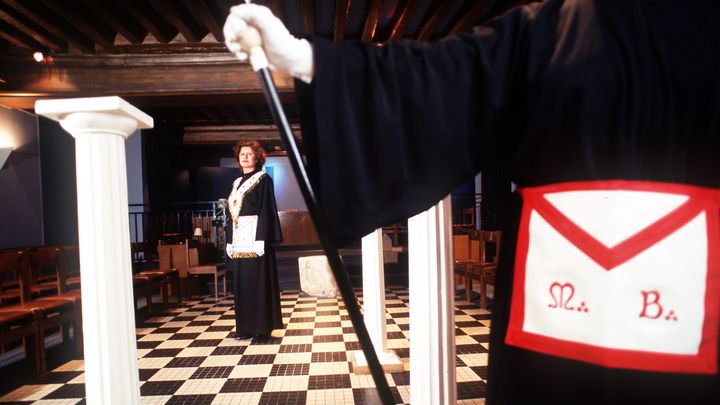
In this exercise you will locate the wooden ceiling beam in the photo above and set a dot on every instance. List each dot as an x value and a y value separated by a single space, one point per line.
156 24
119 20
16 37
408 8
342 12
23 24
371 22
104 38
229 134
54 25
439 11
162 77
211 17
179 16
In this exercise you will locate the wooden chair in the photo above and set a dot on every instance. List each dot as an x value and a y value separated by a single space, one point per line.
215 269
485 268
461 255
162 278
18 322
55 257
48 312
71 261
44 263
9 287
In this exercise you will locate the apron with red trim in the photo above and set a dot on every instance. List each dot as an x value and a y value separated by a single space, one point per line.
620 274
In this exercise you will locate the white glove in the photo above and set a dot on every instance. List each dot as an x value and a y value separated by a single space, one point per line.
229 250
284 52
259 247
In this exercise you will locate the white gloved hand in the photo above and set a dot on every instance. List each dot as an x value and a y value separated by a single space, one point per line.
284 52
259 247
229 250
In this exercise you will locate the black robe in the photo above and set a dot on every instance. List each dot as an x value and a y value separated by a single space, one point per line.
552 92
255 280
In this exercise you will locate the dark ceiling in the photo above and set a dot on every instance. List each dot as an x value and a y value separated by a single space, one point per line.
167 56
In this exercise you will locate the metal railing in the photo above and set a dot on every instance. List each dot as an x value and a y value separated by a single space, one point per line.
153 223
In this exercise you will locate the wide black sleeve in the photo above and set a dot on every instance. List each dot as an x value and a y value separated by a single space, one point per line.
390 130
268 228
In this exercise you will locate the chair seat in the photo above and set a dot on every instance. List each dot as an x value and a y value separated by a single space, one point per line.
71 296
72 281
156 272
43 288
11 316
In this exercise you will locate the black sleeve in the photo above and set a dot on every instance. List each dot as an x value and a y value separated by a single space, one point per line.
382 125
268 228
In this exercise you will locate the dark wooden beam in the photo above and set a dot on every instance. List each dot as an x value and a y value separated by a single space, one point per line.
25 25
407 10
229 134
371 22
172 48
156 24
308 10
181 19
342 11
168 78
103 37
211 17
437 14
118 19
56 26
16 37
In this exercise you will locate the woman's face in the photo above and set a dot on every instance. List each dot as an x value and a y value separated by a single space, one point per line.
247 159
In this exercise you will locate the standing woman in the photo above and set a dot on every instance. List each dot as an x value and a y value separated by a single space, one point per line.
253 232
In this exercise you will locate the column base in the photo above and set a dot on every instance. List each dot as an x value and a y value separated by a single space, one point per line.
389 361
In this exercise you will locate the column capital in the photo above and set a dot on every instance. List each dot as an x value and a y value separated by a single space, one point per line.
111 115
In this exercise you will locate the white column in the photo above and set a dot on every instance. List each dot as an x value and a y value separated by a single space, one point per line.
100 127
432 315
373 272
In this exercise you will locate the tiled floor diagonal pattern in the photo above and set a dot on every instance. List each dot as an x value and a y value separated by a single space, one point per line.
188 356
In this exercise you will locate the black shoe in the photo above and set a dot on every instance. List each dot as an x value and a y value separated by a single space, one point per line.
243 337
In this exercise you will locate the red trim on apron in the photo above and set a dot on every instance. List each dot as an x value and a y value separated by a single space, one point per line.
575 297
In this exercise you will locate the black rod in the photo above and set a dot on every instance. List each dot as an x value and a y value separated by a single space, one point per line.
336 263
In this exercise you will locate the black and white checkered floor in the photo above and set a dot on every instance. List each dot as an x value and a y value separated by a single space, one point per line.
188 356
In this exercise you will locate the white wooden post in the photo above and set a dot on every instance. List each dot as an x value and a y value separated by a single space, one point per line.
100 126
374 307
432 314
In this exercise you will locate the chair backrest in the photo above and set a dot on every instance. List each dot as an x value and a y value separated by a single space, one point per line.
165 256
45 261
70 265
174 257
490 245
193 259
14 267
461 247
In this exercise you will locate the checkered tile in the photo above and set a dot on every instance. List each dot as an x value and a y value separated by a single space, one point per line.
188 356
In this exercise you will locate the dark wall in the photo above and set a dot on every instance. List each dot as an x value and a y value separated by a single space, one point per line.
165 175
59 193
174 172
21 219
211 183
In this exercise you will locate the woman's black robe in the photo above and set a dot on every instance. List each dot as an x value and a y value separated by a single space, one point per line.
255 280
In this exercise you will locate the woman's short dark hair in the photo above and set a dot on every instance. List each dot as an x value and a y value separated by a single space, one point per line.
260 154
